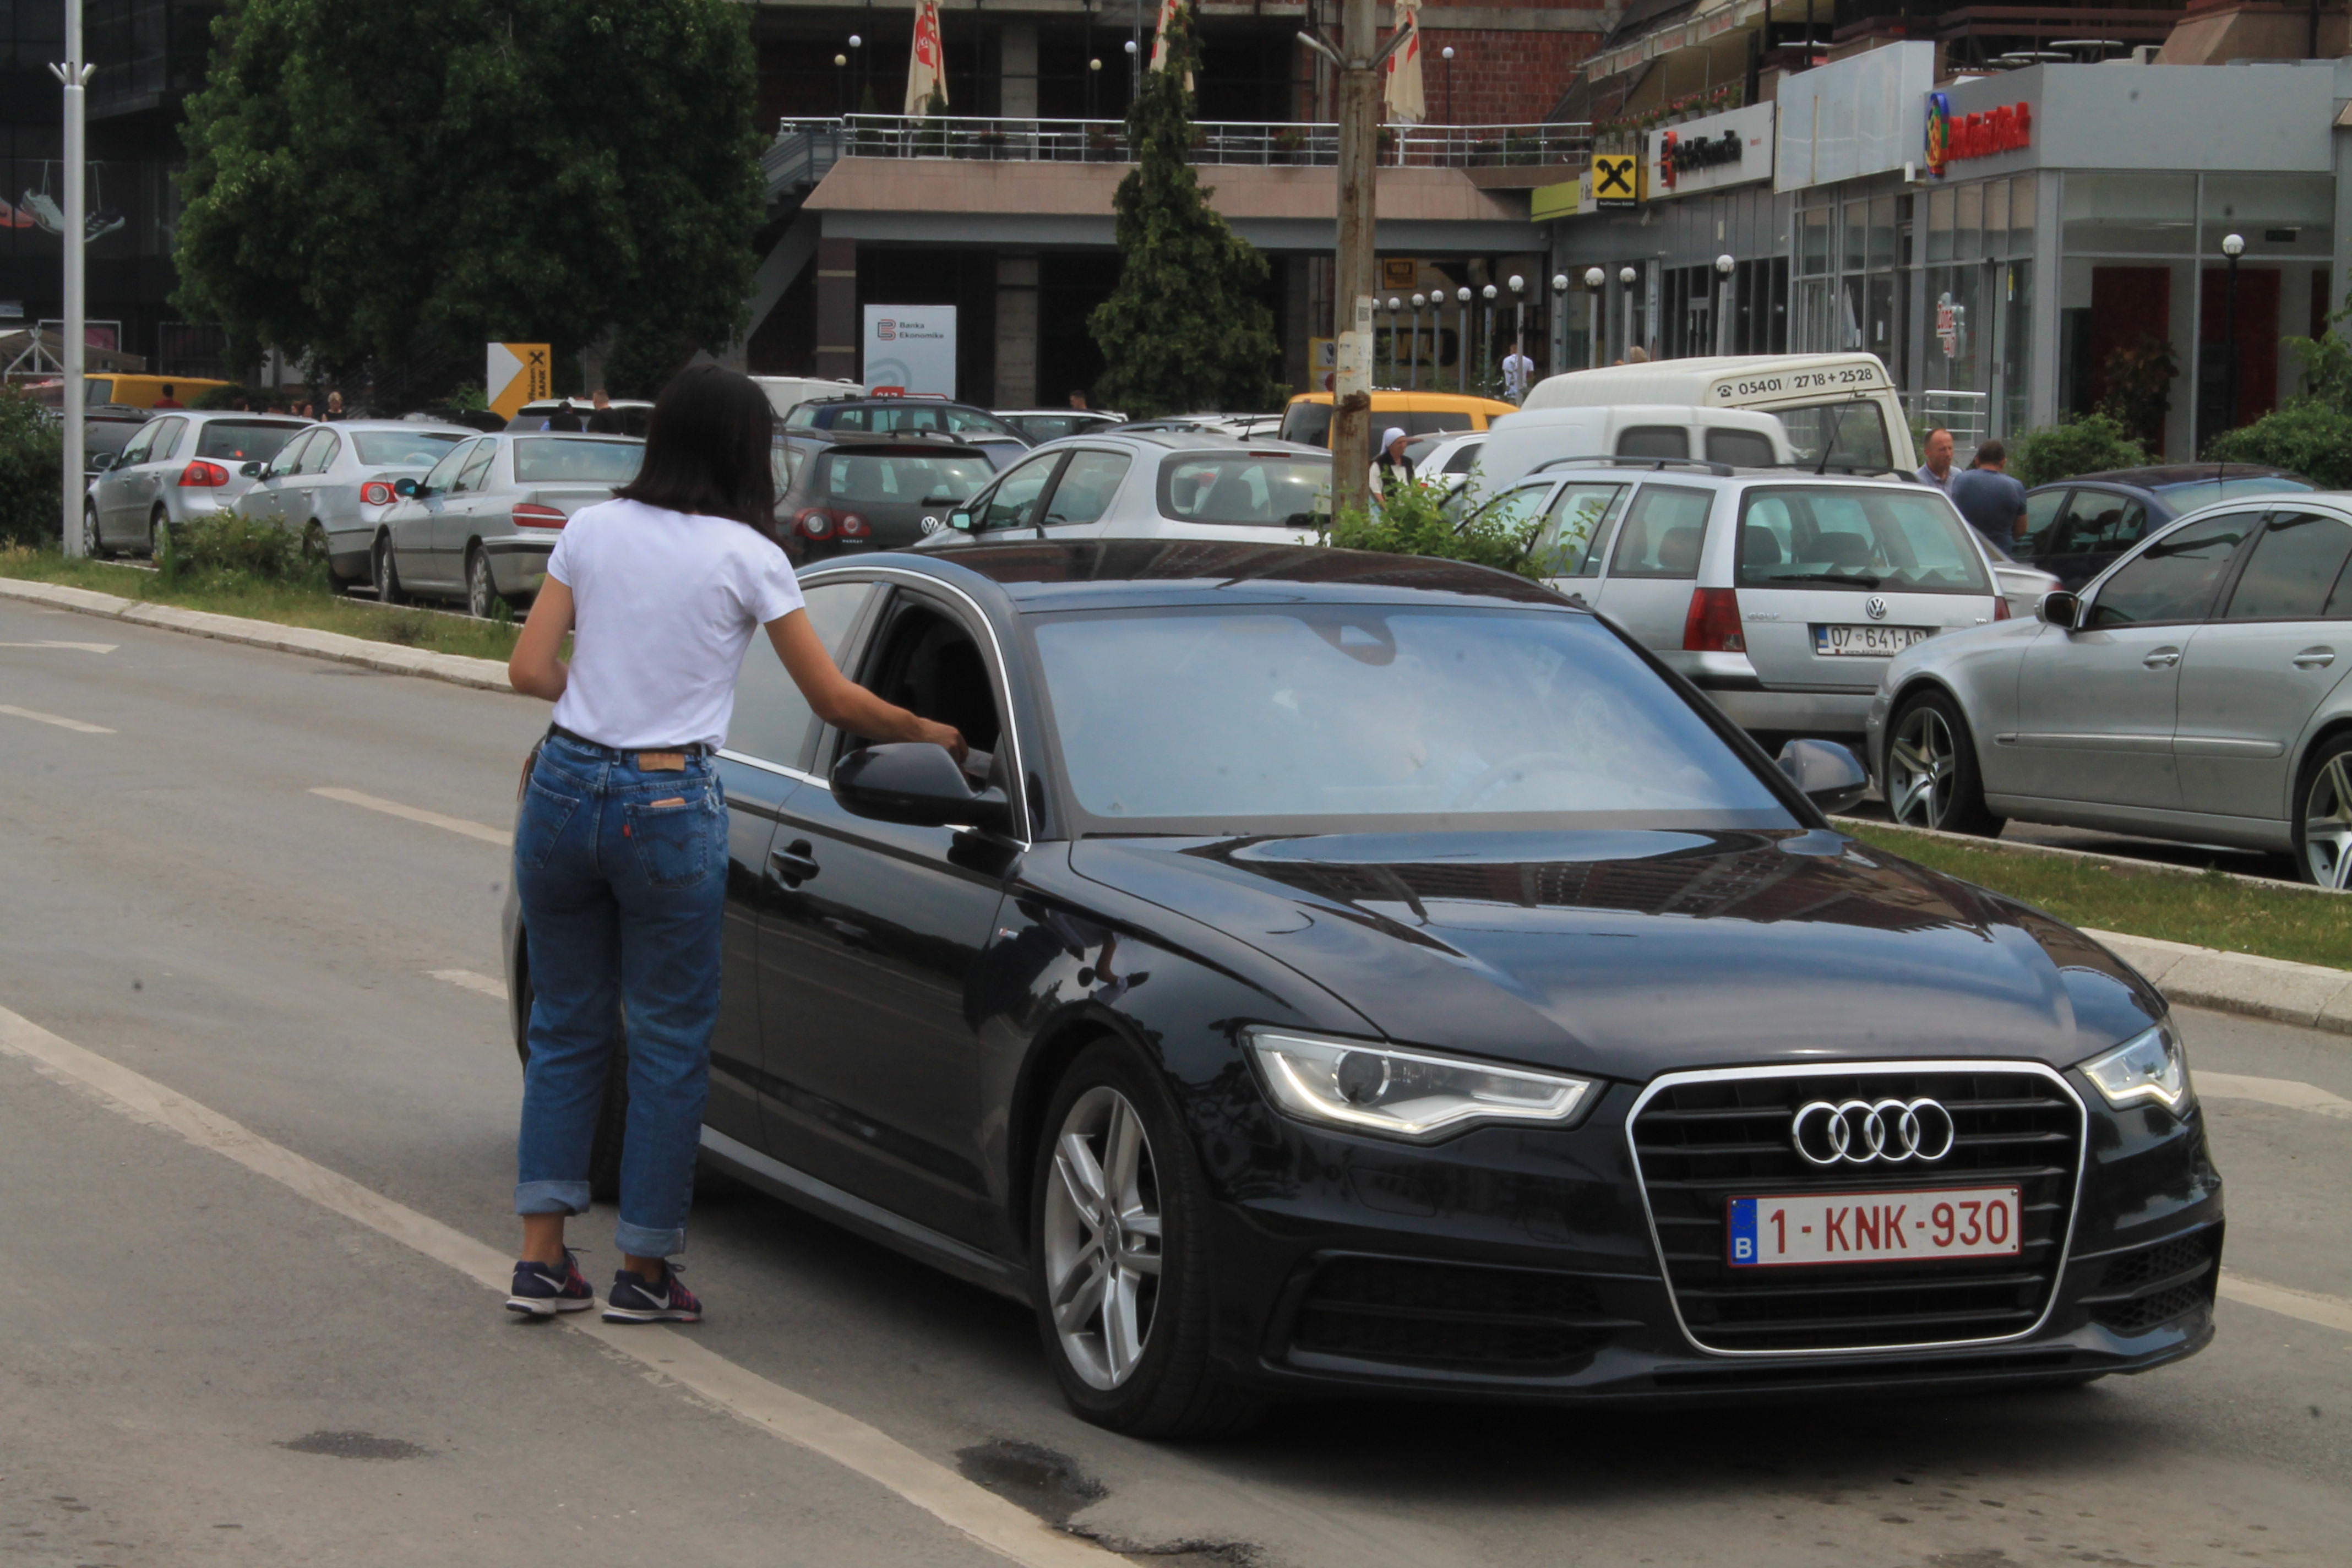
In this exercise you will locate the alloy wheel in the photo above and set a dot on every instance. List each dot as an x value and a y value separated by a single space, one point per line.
481 594
91 545
1102 1237
2327 824
1920 762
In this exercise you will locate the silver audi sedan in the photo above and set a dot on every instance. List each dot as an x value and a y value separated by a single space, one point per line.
332 486
480 526
2195 691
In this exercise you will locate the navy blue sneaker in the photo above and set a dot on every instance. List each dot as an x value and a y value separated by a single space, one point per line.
635 1299
544 1290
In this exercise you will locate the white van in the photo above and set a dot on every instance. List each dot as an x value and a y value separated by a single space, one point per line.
1844 400
1521 443
786 392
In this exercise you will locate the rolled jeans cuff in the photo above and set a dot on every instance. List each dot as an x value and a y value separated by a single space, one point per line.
638 1241
555 1197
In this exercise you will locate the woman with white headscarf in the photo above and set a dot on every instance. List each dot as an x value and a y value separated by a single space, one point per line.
1392 466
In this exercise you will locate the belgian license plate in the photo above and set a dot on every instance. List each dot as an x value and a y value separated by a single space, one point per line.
1868 642
1874 1227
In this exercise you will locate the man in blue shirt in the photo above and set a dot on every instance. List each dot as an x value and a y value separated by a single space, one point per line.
1993 503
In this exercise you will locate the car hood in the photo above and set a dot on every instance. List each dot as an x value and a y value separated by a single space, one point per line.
1631 954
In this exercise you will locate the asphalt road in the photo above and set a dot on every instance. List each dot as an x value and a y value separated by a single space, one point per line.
205 1358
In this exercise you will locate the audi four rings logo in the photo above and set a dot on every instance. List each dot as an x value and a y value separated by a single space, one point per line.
1858 1133
1874 608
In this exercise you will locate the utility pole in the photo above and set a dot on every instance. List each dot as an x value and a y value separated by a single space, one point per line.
1358 58
73 76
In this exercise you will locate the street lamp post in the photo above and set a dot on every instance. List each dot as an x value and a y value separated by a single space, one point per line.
74 77
1094 86
1723 266
1462 297
1414 348
2232 245
1625 276
1447 53
1593 279
1395 305
1559 323
856 73
1519 317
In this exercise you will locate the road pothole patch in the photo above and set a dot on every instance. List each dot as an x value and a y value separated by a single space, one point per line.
355 1446
1047 1484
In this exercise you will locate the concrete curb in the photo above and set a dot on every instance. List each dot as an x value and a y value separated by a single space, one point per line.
483 674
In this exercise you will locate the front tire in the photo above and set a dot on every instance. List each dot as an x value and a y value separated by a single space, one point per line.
92 545
1931 770
1119 1274
386 573
2323 816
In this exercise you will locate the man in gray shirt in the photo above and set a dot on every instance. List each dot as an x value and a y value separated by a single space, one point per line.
1993 503
1937 471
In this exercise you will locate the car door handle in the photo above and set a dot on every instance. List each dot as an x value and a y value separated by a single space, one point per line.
793 864
2162 658
2314 658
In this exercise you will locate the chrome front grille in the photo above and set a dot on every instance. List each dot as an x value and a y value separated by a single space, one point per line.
1701 1138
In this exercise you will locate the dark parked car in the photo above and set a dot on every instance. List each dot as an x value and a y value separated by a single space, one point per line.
2077 528
1352 973
851 492
892 413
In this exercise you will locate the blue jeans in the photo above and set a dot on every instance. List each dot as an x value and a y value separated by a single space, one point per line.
622 878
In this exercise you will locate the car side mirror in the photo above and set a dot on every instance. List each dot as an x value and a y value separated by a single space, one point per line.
2061 609
961 521
251 470
916 783
101 462
407 490
1828 774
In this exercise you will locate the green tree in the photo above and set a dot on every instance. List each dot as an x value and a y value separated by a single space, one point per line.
398 179
2088 445
2312 435
31 449
1185 330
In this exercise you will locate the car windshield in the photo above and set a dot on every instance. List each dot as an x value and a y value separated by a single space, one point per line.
1246 488
2191 494
1307 718
240 441
909 479
404 448
544 461
1855 432
1856 537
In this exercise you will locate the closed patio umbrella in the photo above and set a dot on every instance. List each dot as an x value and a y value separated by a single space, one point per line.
927 67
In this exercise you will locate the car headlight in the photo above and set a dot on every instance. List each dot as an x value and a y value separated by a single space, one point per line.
1413 1095
2149 1067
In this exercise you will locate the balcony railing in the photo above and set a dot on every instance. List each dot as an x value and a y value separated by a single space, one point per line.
804 149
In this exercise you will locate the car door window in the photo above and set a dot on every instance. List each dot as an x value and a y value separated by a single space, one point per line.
136 451
1086 488
2297 571
928 662
2099 520
1663 530
1013 502
469 478
1654 441
290 460
2042 509
444 472
319 455
2175 578
972 421
167 438
772 718
1575 526
1464 459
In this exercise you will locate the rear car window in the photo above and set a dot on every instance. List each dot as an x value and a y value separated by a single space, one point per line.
1741 449
2296 571
1855 432
2175 578
1245 488
547 460
1663 534
387 448
1856 537
907 477
243 441
1309 423
1654 441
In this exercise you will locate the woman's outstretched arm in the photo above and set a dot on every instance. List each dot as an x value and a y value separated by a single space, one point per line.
837 700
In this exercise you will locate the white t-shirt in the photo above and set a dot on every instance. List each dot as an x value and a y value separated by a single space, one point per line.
665 604
1517 368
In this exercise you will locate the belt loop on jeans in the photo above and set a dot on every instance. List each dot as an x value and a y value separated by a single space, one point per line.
691 749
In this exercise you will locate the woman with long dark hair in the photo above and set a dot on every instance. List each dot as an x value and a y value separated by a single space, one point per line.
621 839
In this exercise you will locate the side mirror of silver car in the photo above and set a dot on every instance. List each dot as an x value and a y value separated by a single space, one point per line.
1828 774
2061 609
961 521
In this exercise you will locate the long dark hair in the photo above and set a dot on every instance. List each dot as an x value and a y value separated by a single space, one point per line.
707 449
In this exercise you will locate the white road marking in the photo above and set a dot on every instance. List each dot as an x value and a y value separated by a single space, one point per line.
994 1523
2327 1311
2285 1091
472 982
74 724
488 835
84 647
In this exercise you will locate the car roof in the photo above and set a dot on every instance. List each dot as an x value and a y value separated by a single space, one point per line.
874 443
1187 438
405 426
2157 476
1701 470
1046 576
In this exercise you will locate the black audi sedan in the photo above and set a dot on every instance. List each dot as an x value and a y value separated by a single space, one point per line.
1348 972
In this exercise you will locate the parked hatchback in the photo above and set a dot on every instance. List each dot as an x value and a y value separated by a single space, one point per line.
178 467
480 526
1184 483
2077 528
1781 595
846 493
332 486
2195 691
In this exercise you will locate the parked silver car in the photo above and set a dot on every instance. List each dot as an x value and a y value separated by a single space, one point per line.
2195 689
181 465
481 525
331 487
1126 483
1781 595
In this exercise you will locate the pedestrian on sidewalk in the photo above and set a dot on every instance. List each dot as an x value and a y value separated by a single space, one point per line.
1937 469
1518 369
1993 502
1392 466
620 857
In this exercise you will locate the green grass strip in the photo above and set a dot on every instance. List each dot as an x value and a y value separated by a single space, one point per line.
301 601
2208 909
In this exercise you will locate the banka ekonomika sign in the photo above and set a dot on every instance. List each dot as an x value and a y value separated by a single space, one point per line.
1705 154
1955 139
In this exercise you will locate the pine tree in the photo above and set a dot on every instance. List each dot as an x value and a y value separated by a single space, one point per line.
1185 330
